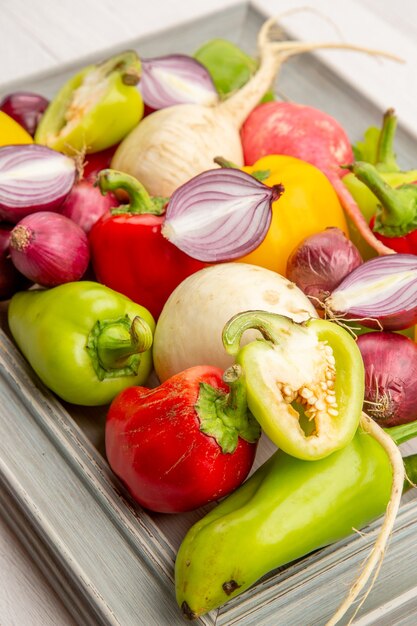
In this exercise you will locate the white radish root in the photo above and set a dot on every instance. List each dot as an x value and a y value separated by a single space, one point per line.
172 145
375 557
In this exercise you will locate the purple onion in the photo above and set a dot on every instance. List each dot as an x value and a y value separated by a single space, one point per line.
11 280
49 249
25 107
390 362
321 261
33 178
382 292
176 79
220 215
85 204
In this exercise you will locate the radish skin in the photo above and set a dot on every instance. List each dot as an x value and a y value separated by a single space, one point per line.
311 135
182 141
189 329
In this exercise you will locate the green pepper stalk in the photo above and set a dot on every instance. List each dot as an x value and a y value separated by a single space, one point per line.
85 341
377 149
95 109
305 382
395 221
285 510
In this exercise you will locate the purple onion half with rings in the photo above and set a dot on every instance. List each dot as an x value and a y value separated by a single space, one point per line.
382 293
176 79
220 215
33 178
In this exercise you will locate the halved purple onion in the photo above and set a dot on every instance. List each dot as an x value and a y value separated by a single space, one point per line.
176 79
382 292
33 178
220 215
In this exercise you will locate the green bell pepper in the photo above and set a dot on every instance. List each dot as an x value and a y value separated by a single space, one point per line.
229 66
376 149
85 341
95 109
285 510
305 382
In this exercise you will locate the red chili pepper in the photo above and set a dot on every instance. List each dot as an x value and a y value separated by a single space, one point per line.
395 223
185 443
129 253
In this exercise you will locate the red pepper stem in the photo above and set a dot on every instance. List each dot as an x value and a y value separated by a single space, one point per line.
236 405
397 215
385 156
140 201
115 346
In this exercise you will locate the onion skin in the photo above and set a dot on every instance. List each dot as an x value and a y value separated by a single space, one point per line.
49 249
25 108
189 329
390 377
321 261
85 204
11 280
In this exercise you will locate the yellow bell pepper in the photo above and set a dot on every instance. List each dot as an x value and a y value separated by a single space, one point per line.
11 132
308 205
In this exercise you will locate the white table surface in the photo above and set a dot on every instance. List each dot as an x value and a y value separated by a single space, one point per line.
42 34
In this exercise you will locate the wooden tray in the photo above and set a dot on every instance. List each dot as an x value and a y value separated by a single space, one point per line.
111 562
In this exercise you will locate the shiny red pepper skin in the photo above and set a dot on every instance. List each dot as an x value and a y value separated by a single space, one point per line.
128 251
155 445
406 243
130 255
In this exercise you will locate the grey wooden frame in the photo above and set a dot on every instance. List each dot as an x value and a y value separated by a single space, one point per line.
111 562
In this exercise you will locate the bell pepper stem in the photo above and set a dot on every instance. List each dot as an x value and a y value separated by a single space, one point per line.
385 158
236 405
270 325
115 346
139 200
258 174
398 211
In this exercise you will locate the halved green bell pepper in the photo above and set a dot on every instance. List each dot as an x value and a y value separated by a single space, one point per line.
85 341
305 382
96 108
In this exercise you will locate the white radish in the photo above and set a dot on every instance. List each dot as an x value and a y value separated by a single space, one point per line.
172 145
189 329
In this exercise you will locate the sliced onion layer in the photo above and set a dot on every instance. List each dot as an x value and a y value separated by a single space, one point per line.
382 292
220 215
33 178
176 79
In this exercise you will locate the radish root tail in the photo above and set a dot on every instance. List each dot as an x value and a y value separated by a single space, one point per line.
374 560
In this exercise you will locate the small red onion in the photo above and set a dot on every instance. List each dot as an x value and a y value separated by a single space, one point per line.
33 178
25 108
11 280
219 215
321 261
176 79
49 249
382 291
390 377
85 204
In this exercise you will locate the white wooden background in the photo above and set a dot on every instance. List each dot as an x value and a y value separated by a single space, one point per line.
41 35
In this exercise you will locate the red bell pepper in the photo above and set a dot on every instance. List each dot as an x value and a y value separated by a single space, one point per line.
395 223
130 254
185 443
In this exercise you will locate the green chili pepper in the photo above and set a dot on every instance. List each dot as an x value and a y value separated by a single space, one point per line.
85 341
377 149
229 66
287 509
305 382
96 108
